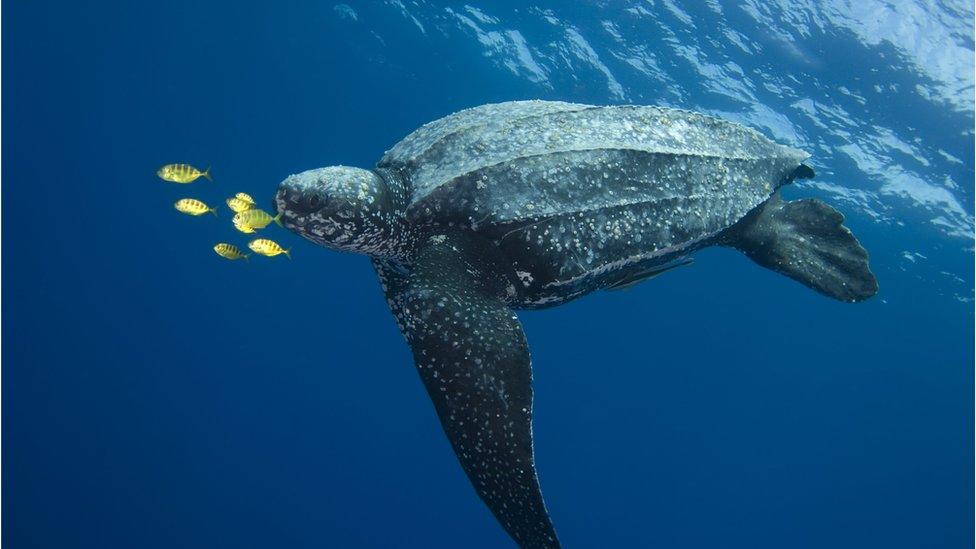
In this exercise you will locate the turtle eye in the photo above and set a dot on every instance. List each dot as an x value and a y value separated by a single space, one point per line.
312 201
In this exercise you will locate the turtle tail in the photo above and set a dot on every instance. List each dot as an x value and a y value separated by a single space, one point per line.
806 241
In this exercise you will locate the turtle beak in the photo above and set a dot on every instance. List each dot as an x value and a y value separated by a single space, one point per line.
285 201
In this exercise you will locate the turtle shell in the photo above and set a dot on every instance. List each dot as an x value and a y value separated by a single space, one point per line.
575 194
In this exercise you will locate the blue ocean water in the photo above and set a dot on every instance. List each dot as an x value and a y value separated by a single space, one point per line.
155 395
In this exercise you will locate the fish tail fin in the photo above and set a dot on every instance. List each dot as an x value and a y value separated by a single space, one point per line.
206 173
213 211
288 253
806 241
277 219
247 257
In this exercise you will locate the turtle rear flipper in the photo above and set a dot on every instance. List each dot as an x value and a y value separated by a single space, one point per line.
806 241
473 359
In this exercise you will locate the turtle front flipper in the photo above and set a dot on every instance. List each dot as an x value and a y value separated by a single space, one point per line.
472 356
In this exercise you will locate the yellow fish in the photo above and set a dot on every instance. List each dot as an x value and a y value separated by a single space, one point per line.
239 204
246 229
255 218
182 173
193 206
245 197
229 251
268 248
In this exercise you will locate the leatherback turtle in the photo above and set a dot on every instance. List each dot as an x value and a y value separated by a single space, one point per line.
530 204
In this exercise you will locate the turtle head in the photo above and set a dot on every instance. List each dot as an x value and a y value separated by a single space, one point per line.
343 208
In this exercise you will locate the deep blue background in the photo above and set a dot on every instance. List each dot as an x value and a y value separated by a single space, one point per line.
157 396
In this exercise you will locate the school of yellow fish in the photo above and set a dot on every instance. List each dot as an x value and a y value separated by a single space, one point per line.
248 218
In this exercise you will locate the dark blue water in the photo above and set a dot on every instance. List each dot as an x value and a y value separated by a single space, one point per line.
155 395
